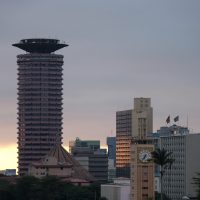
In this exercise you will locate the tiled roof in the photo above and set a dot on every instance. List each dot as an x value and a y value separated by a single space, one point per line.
65 159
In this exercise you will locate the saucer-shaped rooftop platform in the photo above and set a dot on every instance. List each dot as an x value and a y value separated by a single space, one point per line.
40 45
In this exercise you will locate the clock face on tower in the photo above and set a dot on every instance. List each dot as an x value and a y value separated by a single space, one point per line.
145 155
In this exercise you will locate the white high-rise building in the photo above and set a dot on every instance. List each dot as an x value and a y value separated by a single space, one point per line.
177 181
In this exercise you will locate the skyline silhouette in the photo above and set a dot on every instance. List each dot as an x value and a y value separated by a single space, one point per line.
117 50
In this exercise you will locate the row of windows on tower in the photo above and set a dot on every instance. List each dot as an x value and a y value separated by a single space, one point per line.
42 129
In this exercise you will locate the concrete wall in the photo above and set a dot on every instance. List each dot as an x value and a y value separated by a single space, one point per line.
115 192
142 121
192 161
50 166
83 160
177 182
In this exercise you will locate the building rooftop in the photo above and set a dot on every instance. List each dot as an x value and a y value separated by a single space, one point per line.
63 158
40 45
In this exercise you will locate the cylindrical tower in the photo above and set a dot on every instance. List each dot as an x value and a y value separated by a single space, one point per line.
39 99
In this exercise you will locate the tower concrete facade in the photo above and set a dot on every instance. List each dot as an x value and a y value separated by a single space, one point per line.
142 167
142 170
142 118
135 123
39 99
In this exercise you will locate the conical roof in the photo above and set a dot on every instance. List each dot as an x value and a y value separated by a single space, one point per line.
64 158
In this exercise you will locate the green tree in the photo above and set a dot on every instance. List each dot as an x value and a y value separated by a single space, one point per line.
47 188
27 188
162 158
52 188
6 190
196 182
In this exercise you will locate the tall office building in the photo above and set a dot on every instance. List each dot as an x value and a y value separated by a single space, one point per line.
92 144
111 143
39 99
134 123
177 181
123 141
142 117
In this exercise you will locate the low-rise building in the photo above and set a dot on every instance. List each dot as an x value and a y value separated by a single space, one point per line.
58 162
8 172
118 190
92 159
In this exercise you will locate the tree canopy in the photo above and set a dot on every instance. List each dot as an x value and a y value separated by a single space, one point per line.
163 158
48 188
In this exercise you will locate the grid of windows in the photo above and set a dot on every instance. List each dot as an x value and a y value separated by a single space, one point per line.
174 179
123 141
39 106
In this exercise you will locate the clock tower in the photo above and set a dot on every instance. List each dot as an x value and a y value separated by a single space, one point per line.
142 170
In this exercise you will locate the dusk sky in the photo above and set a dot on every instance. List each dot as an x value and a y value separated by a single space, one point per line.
118 50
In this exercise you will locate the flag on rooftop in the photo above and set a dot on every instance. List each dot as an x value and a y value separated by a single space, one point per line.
168 119
176 118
